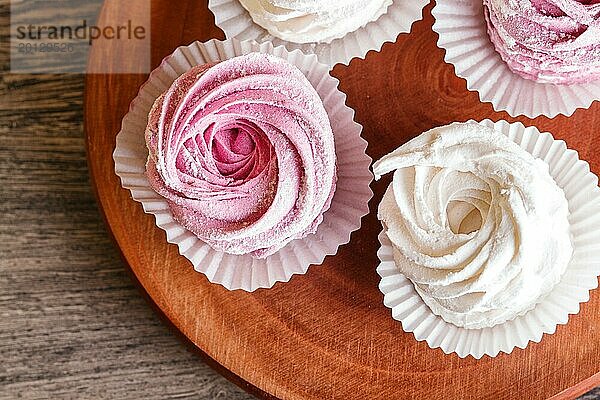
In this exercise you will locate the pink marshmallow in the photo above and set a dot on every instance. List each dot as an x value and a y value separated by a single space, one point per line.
548 41
243 152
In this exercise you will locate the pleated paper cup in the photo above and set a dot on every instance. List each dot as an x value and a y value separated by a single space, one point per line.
462 31
348 206
237 23
583 195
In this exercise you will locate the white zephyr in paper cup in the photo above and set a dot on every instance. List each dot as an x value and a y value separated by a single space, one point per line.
237 23
462 31
348 206
583 195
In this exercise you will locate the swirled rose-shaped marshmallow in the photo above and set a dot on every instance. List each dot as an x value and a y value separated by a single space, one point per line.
477 224
244 154
550 41
310 21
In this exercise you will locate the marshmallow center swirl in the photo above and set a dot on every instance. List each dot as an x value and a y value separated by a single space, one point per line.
243 152
477 224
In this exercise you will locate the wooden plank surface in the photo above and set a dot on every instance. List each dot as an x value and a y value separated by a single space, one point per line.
72 325
327 335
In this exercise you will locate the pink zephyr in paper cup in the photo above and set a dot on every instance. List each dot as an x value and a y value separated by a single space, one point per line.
343 210
463 34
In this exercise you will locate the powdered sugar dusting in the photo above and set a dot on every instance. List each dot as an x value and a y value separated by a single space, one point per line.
549 41
243 152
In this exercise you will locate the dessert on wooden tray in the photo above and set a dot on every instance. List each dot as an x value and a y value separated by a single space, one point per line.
243 152
477 224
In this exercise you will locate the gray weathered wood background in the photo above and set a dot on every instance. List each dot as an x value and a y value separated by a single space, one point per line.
72 325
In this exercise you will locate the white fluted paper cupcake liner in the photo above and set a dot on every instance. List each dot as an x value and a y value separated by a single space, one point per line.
462 32
237 23
348 206
583 195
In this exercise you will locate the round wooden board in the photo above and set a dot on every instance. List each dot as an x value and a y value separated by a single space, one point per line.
327 334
